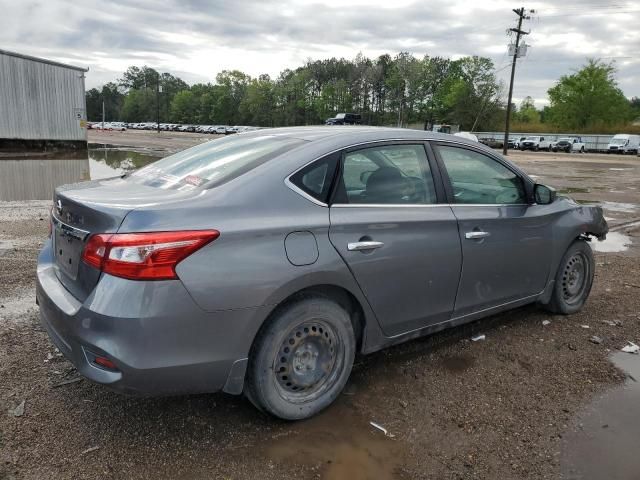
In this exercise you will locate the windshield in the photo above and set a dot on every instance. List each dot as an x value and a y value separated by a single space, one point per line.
340 115
569 140
213 162
534 139
618 141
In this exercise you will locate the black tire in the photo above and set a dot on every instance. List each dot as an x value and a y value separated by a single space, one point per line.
301 359
536 148
574 279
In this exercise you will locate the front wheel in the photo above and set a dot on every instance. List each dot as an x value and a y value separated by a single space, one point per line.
574 279
301 359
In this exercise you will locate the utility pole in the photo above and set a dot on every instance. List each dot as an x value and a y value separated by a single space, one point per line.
521 16
158 90
103 114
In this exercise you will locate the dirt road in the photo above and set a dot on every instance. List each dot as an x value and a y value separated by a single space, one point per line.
497 408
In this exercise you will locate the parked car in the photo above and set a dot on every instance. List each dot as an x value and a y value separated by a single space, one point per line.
345 119
205 271
221 130
623 143
117 126
492 142
568 144
535 143
514 142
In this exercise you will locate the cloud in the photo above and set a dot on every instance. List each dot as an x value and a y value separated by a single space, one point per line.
195 39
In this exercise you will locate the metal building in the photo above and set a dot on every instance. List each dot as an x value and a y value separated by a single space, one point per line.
42 103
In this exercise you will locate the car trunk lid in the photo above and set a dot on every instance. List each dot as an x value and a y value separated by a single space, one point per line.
83 209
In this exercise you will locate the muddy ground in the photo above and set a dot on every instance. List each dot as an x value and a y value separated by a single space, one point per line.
499 408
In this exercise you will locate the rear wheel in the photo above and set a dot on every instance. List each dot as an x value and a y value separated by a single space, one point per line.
574 279
301 359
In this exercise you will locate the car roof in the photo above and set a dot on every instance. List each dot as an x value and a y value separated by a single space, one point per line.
353 134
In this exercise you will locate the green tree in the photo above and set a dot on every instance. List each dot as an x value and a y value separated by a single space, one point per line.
139 106
588 98
183 107
527 113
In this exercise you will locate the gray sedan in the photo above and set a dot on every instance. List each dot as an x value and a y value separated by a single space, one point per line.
263 262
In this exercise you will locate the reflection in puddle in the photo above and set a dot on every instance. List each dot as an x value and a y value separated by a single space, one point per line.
340 444
615 242
605 446
36 179
108 162
27 179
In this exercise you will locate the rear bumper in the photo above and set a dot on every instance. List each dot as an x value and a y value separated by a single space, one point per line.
161 342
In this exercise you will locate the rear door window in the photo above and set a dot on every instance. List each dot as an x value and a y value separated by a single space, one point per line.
390 174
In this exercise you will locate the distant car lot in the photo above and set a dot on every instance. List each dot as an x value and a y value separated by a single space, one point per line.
170 127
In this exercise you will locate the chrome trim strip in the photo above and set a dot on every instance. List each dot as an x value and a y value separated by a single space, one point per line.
68 230
301 192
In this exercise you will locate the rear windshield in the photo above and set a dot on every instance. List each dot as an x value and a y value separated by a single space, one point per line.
214 162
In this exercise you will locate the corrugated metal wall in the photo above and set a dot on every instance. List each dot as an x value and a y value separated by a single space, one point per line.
40 101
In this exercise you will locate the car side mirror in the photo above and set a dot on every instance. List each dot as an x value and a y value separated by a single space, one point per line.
544 195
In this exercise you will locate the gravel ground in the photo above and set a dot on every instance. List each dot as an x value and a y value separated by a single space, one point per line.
497 408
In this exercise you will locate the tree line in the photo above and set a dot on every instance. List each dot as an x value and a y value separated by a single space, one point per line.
400 90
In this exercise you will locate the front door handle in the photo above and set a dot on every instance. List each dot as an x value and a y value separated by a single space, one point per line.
475 235
358 246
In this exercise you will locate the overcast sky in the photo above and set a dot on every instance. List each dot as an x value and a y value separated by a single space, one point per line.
195 39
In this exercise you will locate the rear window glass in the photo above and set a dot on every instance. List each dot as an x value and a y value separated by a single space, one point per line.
214 162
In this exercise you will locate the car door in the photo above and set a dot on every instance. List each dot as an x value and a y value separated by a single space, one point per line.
506 241
400 243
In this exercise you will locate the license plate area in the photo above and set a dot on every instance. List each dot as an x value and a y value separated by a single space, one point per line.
68 245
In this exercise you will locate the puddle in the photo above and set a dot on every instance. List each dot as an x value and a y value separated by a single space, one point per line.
615 242
619 207
574 190
620 169
108 162
338 444
458 364
36 178
605 444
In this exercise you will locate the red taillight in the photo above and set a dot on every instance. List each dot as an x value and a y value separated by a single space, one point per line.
144 256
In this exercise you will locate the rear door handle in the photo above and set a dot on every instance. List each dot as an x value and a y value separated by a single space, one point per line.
476 235
357 246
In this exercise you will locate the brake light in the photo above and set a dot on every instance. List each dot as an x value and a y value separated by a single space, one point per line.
144 256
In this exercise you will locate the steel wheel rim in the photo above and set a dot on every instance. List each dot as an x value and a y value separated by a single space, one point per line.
308 361
574 278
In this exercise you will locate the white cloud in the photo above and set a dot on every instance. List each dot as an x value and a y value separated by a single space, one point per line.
195 39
